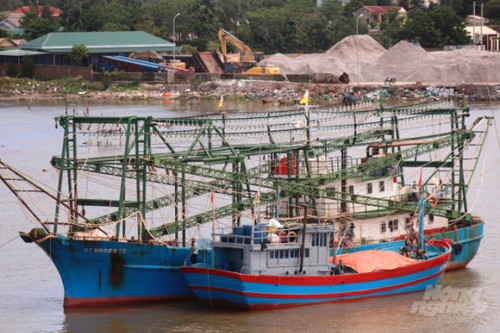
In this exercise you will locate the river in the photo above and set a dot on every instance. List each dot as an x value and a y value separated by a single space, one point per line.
31 292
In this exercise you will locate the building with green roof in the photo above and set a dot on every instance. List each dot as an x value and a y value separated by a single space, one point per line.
57 45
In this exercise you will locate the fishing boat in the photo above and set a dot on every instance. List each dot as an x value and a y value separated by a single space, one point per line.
293 268
103 249
97 266
132 190
371 195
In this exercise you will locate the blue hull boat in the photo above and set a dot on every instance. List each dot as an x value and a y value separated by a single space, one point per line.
294 271
110 272
466 241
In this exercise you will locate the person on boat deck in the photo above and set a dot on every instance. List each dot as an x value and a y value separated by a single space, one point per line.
194 251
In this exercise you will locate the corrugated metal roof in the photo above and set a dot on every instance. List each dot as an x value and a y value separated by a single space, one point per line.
99 42
20 53
26 9
382 9
477 29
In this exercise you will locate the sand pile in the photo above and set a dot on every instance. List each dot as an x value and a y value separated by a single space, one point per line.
368 48
404 61
340 58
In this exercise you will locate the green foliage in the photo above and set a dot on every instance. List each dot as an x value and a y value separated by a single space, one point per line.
78 53
113 26
35 26
8 5
99 15
11 70
434 27
459 6
354 5
292 28
189 49
492 11
213 46
391 26
270 26
109 78
27 67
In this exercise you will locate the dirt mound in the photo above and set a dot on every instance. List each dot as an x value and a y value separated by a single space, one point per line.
404 53
368 49
404 61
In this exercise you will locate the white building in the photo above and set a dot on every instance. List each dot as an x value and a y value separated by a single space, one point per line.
490 37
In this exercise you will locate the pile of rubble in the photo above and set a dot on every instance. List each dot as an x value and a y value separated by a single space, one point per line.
404 61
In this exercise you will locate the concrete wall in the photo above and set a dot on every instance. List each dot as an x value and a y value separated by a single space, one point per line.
46 72
146 77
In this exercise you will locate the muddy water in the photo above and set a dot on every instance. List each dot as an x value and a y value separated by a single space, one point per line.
31 293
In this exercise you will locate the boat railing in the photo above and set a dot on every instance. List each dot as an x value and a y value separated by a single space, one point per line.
256 234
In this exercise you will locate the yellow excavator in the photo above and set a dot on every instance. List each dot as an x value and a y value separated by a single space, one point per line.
248 65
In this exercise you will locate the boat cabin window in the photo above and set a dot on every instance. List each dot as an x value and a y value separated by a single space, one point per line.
381 186
351 189
408 222
383 227
393 225
369 188
319 239
431 218
285 254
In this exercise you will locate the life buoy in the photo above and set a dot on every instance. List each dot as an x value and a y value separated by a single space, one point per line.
432 200
292 237
457 248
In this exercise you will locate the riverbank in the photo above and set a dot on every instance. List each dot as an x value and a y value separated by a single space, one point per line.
282 92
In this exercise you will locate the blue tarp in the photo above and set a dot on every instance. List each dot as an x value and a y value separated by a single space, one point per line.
141 65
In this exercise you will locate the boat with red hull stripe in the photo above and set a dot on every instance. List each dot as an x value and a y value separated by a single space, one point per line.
302 275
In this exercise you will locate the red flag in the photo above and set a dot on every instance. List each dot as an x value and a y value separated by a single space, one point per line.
419 184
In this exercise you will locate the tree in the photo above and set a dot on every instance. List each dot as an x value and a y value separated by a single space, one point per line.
114 26
492 11
99 15
434 27
8 5
201 22
189 49
78 53
354 5
451 26
27 68
391 26
35 26
340 22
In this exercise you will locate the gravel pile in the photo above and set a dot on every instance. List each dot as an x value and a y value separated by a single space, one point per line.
405 62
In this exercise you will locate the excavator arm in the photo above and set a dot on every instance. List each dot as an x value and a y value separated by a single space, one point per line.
225 37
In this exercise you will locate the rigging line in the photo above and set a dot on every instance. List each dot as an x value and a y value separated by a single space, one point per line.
46 143
481 178
496 129
9 241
